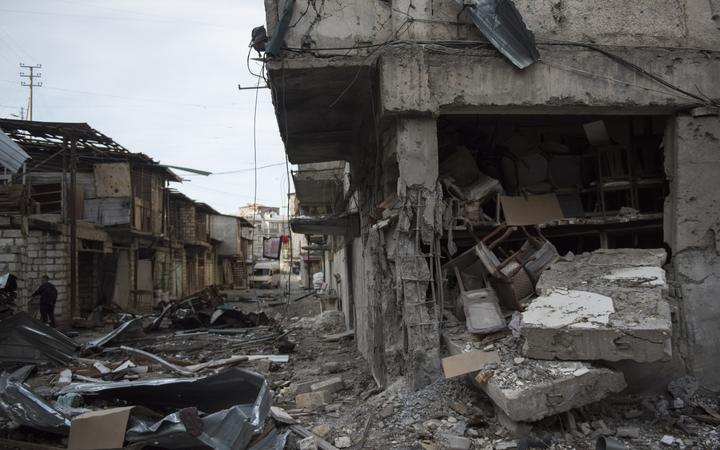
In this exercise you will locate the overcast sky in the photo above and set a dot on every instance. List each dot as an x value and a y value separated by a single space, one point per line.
158 76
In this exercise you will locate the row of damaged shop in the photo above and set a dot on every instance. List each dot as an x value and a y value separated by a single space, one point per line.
104 225
163 381
538 332
541 333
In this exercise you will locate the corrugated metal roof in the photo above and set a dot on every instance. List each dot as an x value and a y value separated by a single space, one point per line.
12 156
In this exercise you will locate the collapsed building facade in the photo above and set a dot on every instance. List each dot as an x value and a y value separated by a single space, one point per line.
417 141
103 225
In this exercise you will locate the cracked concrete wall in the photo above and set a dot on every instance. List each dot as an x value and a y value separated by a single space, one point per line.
333 23
346 23
693 232
418 80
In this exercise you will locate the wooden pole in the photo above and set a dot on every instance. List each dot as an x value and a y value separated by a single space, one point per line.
73 232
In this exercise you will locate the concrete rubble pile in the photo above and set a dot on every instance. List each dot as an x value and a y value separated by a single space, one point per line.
145 383
608 305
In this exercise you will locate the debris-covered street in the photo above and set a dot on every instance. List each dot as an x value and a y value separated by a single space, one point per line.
288 371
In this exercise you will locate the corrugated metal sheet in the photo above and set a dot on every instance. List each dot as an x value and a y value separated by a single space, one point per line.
27 340
12 156
501 23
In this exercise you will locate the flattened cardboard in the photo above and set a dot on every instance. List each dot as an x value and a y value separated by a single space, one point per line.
102 429
468 362
531 210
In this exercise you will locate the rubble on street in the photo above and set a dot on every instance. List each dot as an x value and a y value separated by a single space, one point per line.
173 390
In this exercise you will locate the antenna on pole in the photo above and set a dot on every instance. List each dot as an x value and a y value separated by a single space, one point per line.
31 76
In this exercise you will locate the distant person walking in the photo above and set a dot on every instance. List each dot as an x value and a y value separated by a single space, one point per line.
48 297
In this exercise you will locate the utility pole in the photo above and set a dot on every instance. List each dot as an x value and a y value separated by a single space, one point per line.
31 84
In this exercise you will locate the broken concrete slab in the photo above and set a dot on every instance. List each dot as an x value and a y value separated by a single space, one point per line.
534 389
313 400
330 385
448 441
300 388
606 305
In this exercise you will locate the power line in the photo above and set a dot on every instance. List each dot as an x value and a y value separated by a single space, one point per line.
31 84
85 16
14 44
287 173
255 166
136 99
250 169
220 191
141 14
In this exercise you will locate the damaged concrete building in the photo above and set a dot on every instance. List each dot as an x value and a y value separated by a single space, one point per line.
436 152
103 224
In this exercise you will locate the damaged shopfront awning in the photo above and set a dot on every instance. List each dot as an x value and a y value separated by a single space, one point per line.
12 156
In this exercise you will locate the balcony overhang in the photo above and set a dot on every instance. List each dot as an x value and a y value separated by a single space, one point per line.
319 185
343 225
320 106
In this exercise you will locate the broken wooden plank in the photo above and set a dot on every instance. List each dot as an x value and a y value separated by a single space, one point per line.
339 336
217 363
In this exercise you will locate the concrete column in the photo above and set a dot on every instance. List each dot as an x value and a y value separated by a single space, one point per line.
417 152
415 233
693 232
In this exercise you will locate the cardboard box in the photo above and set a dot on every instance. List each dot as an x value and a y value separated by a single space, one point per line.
103 429
468 362
531 210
